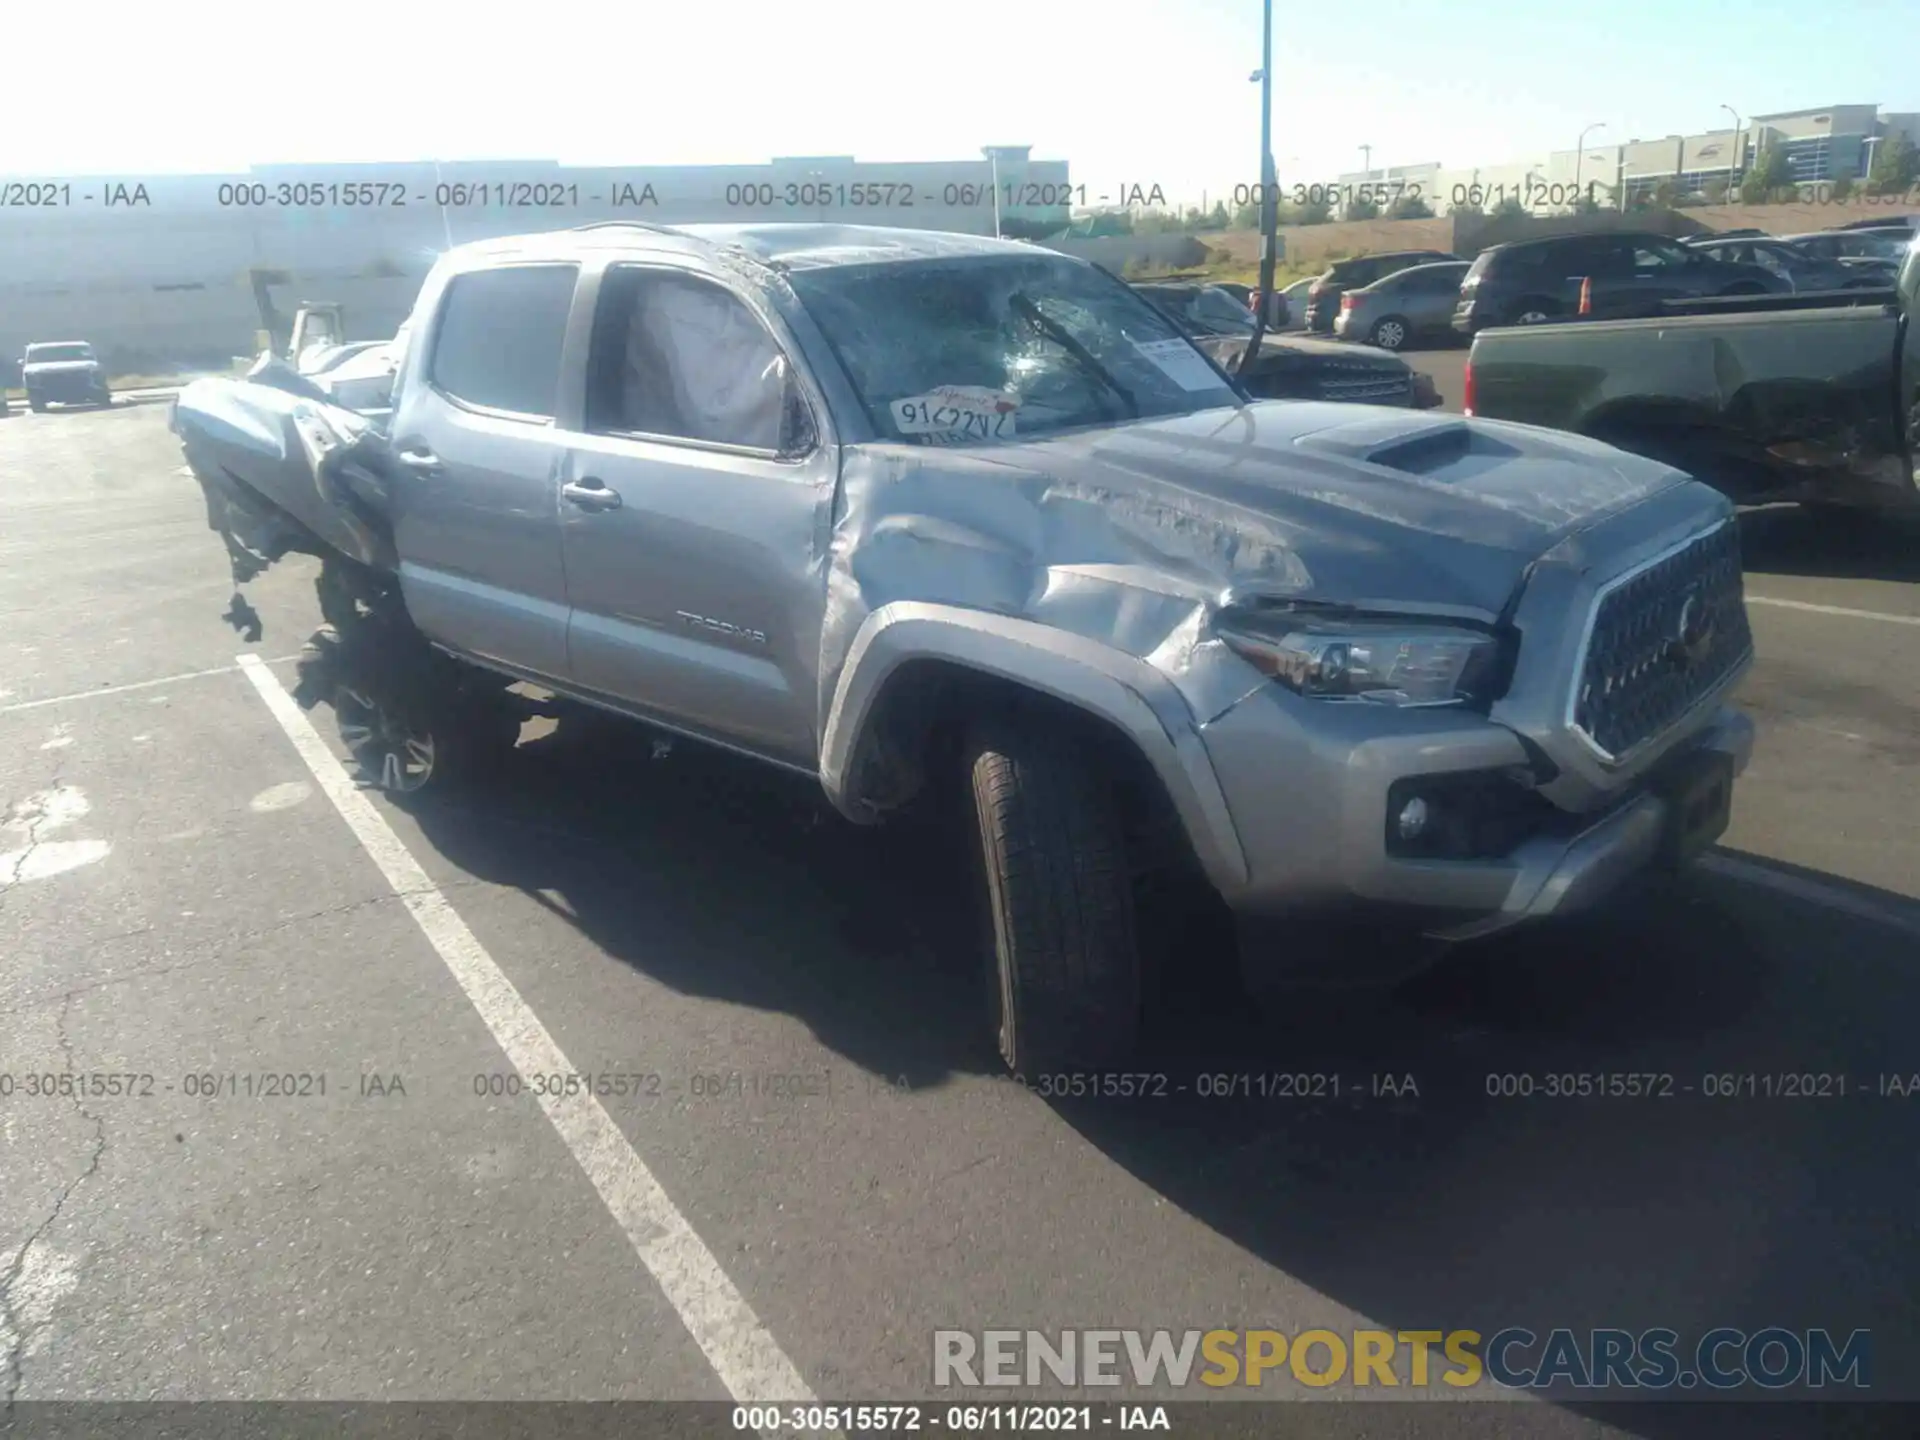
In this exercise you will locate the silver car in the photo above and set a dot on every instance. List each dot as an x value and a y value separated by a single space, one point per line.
1409 305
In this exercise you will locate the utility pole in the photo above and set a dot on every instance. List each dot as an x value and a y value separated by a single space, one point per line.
1366 164
1580 156
1269 200
1739 152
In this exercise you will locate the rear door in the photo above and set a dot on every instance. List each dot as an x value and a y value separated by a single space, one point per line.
1427 295
477 521
696 506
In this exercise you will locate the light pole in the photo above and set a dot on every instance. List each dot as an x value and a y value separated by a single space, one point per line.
1580 156
1269 201
992 152
1739 149
1366 164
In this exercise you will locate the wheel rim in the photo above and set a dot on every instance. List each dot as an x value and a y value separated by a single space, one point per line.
1391 334
1532 317
390 753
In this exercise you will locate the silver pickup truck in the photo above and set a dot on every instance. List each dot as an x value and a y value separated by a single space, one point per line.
922 514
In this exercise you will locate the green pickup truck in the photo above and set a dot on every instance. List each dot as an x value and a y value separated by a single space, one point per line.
1812 397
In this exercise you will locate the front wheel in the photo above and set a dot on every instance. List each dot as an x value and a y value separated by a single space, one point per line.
1390 333
1056 892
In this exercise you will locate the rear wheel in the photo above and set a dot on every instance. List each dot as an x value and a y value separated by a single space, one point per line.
1055 893
1390 333
1534 312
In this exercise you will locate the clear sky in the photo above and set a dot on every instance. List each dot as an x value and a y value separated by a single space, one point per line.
1128 92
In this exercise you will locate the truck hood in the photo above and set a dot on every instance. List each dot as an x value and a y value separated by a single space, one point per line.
1133 535
59 367
1346 503
1285 348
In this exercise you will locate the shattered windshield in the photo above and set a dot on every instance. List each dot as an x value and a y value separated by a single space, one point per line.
986 349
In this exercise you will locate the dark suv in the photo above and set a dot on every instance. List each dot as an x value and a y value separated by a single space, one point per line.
1323 300
1533 282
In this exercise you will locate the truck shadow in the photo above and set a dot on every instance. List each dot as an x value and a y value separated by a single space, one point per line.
1787 540
1400 1153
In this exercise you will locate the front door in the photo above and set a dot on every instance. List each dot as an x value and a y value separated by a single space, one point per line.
695 509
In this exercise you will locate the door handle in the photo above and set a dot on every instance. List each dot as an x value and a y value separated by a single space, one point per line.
590 493
421 462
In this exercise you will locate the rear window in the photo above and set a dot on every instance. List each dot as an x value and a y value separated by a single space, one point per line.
497 345
1481 264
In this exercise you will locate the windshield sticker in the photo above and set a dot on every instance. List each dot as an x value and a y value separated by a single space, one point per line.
1180 363
960 412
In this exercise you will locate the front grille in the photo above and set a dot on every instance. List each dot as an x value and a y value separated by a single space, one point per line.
1662 638
1365 384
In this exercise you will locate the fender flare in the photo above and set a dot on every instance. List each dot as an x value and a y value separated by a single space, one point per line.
1126 692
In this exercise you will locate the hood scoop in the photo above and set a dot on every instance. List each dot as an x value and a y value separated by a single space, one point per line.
1434 449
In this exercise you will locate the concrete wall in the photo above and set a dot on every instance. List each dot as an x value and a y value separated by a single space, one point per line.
1116 252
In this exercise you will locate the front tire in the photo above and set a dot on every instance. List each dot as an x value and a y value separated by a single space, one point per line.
1057 893
1390 333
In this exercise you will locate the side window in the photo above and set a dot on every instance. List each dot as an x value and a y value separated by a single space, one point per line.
498 342
1765 257
1657 255
1604 255
683 358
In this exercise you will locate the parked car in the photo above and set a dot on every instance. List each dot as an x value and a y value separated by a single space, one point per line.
1325 290
1409 305
980 528
1739 234
1290 367
1799 269
1887 245
1296 298
63 372
1811 398
1909 223
1531 282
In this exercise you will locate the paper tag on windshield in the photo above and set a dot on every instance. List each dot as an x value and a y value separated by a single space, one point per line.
1180 363
966 412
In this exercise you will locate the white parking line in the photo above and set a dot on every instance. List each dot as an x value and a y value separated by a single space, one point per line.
135 685
1834 610
746 1357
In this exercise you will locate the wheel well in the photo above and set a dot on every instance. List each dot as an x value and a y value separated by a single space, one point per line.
909 750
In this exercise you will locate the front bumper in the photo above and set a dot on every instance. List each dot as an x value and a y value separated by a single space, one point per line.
68 389
1310 787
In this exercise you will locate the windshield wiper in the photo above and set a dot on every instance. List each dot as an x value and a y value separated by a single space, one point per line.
1073 347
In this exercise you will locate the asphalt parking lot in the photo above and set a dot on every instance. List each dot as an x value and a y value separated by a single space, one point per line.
820 1166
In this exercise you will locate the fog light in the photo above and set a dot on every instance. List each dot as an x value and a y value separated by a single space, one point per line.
1412 820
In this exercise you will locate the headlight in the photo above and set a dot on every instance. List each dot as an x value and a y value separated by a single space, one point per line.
1385 662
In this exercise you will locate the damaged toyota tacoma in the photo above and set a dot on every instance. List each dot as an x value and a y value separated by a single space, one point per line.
924 515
